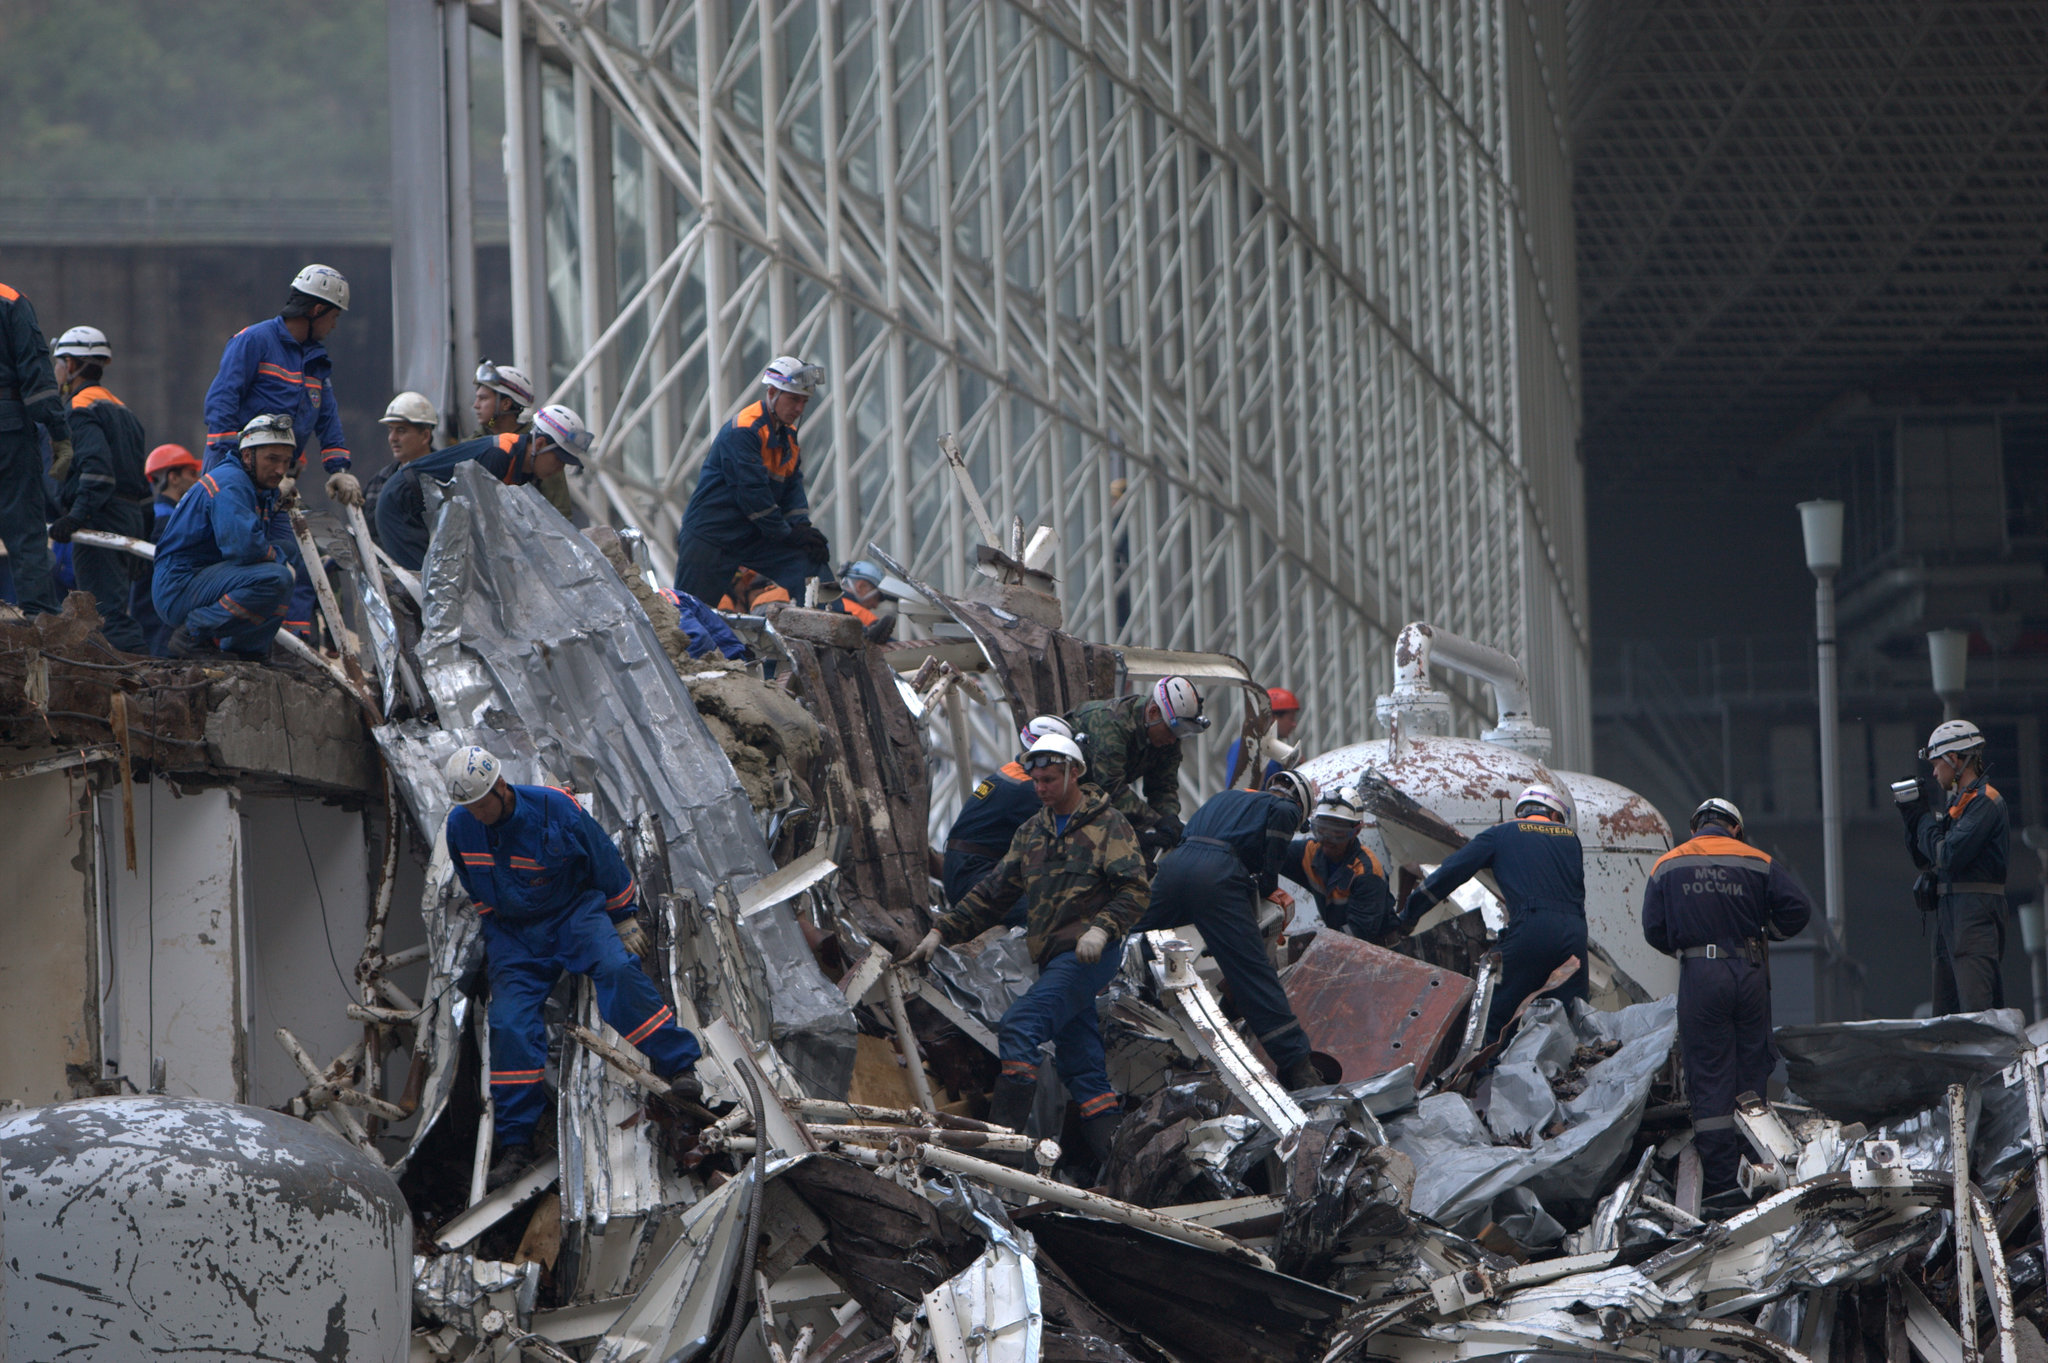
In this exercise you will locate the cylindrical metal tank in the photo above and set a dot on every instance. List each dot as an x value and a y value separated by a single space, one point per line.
174 1227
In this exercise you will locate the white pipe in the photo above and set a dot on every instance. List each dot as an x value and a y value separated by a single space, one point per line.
1419 643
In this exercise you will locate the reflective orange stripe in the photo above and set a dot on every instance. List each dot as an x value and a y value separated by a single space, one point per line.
1712 845
1015 772
646 1029
515 1078
1023 1069
1959 806
8 294
85 397
755 418
621 899
212 488
1099 1103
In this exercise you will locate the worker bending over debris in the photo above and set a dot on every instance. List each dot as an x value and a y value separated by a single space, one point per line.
106 487
1002 803
1713 902
504 407
1234 853
1134 738
749 505
29 398
1076 865
1959 832
1349 885
865 601
558 439
1541 870
227 562
553 894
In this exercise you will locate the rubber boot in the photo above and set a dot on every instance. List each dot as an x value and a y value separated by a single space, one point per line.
512 1161
1301 1074
181 644
1100 1133
1010 1106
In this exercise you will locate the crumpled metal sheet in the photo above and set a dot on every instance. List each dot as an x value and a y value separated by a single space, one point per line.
1459 1168
986 983
460 1289
1889 1068
679 1307
1370 1009
990 1311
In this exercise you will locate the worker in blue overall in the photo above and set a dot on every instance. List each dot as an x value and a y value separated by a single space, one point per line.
1961 832
1347 880
553 894
172 471
227 560
1230 856
1714 902
29 397
107 488
1541 870
558 439
1001 803
749 508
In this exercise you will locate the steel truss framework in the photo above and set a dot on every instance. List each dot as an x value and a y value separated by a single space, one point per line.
1267 308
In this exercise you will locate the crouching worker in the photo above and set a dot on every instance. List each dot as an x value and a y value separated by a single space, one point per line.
227 561
553 894
1077 866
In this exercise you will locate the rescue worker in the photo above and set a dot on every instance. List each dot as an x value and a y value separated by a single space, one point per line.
1713 901
1137 738
1961 832
1002 802
227 561
552 894
504 405
749 592
1233 855
749 506
409 423
1076 866
1541 870
1347 880
280 366
29 397
558 439
173 471
864 600
1286 715
704 627
106 487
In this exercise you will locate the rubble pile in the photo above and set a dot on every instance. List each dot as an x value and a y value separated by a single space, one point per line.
839 1197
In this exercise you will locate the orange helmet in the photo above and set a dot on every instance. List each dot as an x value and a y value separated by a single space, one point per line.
166 457
1283 699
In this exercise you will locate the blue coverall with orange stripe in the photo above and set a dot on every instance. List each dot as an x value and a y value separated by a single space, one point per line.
265 369
549 886
226 563
749 497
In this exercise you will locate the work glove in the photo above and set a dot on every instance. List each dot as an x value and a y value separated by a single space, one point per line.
60 459
811 541
1088 950
342 487
287 497
62 528
1286 903
1414 906
926 948
632 937
1927 892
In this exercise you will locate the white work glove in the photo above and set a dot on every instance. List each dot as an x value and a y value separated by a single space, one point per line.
926 948
60 459
1089 949
632 938
343 488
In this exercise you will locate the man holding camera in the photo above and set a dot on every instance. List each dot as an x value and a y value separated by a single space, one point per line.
1958 831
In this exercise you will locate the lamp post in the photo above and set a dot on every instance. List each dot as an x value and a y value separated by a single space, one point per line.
1821 523
1948 654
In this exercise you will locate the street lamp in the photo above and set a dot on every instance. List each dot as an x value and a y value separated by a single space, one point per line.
1821 523
1948 653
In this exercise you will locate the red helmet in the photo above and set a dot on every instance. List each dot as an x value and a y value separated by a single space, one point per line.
165 457
1283 699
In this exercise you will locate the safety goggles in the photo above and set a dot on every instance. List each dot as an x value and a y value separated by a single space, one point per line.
1033 761
1332 828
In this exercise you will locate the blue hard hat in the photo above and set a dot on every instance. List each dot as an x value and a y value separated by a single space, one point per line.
860 570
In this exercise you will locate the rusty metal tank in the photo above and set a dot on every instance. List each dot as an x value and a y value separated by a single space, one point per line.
155 1227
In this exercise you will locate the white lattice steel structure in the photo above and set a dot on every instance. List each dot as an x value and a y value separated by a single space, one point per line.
1266 307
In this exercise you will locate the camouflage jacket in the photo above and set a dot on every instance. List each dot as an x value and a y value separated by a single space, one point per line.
1093 875
1120 755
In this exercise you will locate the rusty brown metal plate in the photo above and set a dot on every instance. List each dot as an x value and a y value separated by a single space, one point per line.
1374 1010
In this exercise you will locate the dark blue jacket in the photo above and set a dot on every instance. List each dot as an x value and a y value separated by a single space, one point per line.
752 484
705 627
1351 891
401 511
222 518
264 370
1969 842
546 858
999 806
1256 824
25 368
1717 890
1537 864
107 459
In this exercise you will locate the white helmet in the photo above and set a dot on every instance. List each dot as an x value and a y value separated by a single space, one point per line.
1301 789
1952 736
86 343
1343 805
1053 747
1042 726
1716 810
1180 706
1544 798
272 428
472 774
410 409
792 375
503 378
566 430
323 282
